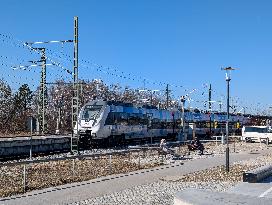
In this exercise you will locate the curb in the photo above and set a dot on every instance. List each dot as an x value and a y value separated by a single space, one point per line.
258 174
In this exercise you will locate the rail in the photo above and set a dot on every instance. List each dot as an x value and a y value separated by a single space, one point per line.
137 148
74 157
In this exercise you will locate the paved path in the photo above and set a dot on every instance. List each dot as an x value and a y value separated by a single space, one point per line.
253 189
205 197
81 191
242 193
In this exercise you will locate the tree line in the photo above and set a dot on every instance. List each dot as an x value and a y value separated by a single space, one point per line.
16 107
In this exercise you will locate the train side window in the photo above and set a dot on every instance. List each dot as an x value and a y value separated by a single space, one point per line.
145 120
169 125
132 119
123 118
110 120
156 123
141 119
163 124
136 119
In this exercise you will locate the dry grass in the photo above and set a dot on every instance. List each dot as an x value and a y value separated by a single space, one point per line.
49 174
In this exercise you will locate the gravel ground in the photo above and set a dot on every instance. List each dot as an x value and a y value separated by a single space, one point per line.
160 192
163 191
63 172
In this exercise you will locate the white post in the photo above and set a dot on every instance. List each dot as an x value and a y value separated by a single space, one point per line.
24 178
139 164
30 151
73 167
110 162
234 143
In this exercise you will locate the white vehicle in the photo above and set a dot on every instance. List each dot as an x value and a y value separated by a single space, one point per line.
256 133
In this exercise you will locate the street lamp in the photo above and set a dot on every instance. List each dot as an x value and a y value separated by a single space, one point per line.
182 99
228 70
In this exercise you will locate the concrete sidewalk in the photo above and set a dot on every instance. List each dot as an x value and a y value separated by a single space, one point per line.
205 197
81 191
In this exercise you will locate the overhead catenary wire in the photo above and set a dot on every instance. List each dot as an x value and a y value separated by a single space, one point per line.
60 58
106 70
114 71
22 44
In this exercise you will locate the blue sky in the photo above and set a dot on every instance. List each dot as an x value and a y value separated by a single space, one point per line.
183 42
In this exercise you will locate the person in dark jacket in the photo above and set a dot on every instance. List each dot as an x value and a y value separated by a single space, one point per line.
196 145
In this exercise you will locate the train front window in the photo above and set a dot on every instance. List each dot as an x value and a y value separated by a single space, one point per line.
91 112
256 129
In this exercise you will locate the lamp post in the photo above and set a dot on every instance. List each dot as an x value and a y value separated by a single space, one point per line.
182 99
210 110
228 70
31 127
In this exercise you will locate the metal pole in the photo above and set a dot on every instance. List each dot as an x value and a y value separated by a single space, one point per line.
31 125
139 163
220 110
73 168
38 120
210 108
110 162
44 72
42 94
81 94
24 178
59 118
167 95
234 144
183 117
75 100
58 121
173 116
57 129
227 125
151 98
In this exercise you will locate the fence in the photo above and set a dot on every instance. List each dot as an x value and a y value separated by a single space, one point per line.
19 177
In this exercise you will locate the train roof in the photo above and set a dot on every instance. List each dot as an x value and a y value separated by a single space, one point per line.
119 103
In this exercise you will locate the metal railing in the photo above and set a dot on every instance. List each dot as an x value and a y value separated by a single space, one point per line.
23 176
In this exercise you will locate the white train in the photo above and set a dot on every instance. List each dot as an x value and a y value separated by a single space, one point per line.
116 122
111 122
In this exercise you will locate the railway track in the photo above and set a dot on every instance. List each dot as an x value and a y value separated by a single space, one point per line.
55 145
